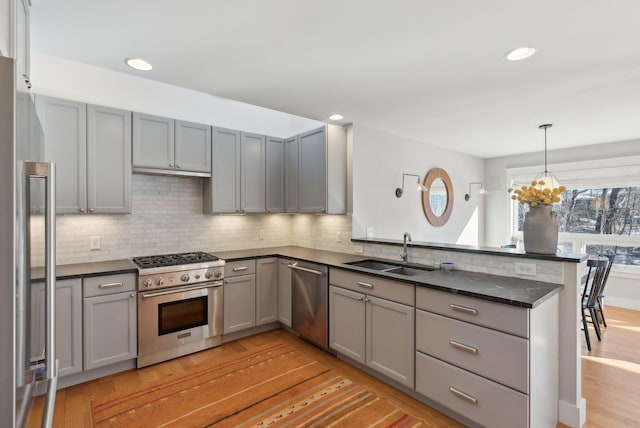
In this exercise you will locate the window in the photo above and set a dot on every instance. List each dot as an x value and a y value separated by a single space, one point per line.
599 212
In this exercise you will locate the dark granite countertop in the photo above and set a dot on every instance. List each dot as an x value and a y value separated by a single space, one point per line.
493 251
77 270
508 290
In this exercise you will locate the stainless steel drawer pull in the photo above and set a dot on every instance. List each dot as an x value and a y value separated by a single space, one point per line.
464 309
364 284
463 395
238 269
463 347
110 285
304 269
183 335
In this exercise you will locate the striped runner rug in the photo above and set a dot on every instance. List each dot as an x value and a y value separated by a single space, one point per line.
274 385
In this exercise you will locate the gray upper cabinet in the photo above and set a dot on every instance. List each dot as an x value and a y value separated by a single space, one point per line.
275 175
238 175
193 147
153 142
313 171
292 203
316 182
222 191
252 172
63 136
166 146
108 160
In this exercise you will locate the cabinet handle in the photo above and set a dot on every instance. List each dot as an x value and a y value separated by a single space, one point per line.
90 210
364 284
132 295
110 285
366 299
464 309
81 210
177 166
170 165
463 347
239 269
360 298
463 395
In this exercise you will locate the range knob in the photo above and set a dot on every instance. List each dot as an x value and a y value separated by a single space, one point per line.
208 275
184 278
218 274
147 283
159 281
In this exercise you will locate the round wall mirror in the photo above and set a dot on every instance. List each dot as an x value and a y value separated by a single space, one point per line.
437 201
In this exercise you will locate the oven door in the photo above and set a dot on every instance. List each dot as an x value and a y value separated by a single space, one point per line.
178 316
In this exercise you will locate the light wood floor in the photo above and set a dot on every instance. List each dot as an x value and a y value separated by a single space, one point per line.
610 374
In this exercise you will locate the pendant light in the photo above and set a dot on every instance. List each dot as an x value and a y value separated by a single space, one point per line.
550 180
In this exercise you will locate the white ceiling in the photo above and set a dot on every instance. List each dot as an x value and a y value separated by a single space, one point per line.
429 70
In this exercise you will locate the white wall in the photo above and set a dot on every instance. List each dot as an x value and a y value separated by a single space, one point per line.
6 24
380 159
72 80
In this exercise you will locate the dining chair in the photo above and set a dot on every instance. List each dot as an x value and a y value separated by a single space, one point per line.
590 293
601 295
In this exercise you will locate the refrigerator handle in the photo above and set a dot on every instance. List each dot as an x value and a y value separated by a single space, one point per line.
50 296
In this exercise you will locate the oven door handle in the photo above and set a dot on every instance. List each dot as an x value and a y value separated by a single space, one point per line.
148 294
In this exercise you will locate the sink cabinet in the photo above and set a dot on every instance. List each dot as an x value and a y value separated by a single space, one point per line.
371 328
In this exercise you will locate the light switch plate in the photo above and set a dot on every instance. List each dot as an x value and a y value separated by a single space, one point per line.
95 243
338 236
358 249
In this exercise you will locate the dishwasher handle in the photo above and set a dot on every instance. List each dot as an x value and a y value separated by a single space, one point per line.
304 269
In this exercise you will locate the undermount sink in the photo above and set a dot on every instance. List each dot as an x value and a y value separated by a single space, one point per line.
389 267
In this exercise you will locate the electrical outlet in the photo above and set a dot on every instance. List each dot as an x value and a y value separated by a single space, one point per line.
525 269
358 249
338 236
369 232
95 243
261 234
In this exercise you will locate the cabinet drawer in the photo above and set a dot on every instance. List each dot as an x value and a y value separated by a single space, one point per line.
109 284
374 286
489 353
241 267
498 316
486 403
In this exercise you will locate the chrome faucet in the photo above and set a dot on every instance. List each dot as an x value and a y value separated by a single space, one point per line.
405 254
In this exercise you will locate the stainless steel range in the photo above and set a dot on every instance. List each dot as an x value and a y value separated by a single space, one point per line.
179 305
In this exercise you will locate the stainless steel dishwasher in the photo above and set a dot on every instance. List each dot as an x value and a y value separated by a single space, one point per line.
310 302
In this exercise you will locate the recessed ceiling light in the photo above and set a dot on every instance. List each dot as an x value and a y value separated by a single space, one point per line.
138 64
520 53
336 117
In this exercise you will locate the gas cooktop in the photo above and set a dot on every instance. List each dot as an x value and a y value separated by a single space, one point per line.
149 262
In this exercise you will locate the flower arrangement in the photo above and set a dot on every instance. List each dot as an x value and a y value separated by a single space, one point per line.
537 194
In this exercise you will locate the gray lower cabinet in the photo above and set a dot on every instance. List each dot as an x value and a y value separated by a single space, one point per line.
165 145
275 175
91 146
110 320
266 290
284 292
376 332
239 296
68 324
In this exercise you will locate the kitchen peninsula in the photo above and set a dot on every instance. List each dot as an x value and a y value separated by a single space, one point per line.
526 315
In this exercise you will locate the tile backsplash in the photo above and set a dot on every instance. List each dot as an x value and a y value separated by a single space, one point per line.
167 218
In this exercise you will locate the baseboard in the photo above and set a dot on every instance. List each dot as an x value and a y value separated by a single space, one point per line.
621 302
572 415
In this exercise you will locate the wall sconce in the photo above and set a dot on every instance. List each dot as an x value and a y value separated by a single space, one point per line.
483 191
419 186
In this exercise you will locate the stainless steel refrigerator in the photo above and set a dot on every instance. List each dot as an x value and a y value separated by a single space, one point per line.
27 210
